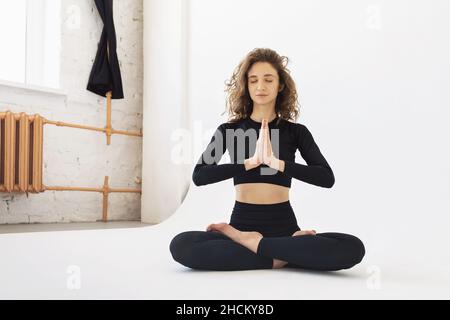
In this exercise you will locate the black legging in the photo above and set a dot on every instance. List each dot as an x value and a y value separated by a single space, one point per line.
276 222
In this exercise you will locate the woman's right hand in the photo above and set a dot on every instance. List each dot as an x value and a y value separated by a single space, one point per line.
257 158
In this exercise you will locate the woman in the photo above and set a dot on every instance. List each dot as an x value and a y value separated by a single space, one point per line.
263 232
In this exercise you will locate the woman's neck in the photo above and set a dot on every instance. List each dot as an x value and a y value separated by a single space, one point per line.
259 114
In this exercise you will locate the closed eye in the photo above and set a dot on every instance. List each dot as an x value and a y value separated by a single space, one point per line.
257 81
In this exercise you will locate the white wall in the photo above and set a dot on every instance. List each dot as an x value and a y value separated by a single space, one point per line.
74 157
373 77
166 113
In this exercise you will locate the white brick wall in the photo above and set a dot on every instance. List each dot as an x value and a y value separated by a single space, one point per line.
75 157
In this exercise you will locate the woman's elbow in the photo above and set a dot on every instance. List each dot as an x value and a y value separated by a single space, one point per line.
330 183
330 180
199 178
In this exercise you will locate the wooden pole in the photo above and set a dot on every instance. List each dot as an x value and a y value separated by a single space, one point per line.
106 190
77 126
64 124
108 118
100 190
105 199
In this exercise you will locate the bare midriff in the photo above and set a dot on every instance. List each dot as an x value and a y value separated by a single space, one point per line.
261 193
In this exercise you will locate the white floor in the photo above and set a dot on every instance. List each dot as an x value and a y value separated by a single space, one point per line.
42 227
129 261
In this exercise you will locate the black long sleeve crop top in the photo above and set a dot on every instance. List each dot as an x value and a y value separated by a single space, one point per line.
240 137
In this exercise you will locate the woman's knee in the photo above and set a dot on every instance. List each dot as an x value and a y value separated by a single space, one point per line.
183 246
357 249
352 245
180 245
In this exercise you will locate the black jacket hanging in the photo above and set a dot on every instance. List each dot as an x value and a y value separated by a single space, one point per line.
105 74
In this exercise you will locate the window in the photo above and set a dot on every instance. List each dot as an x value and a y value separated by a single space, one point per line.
30 36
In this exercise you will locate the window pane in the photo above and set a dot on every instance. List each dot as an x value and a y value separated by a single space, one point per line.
12 40
43 43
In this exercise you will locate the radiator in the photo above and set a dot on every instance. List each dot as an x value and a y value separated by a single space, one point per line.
21 139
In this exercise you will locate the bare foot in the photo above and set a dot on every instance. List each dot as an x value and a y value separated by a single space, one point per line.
278 264
249 239
304 232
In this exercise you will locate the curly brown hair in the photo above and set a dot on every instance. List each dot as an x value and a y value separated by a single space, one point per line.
239 103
